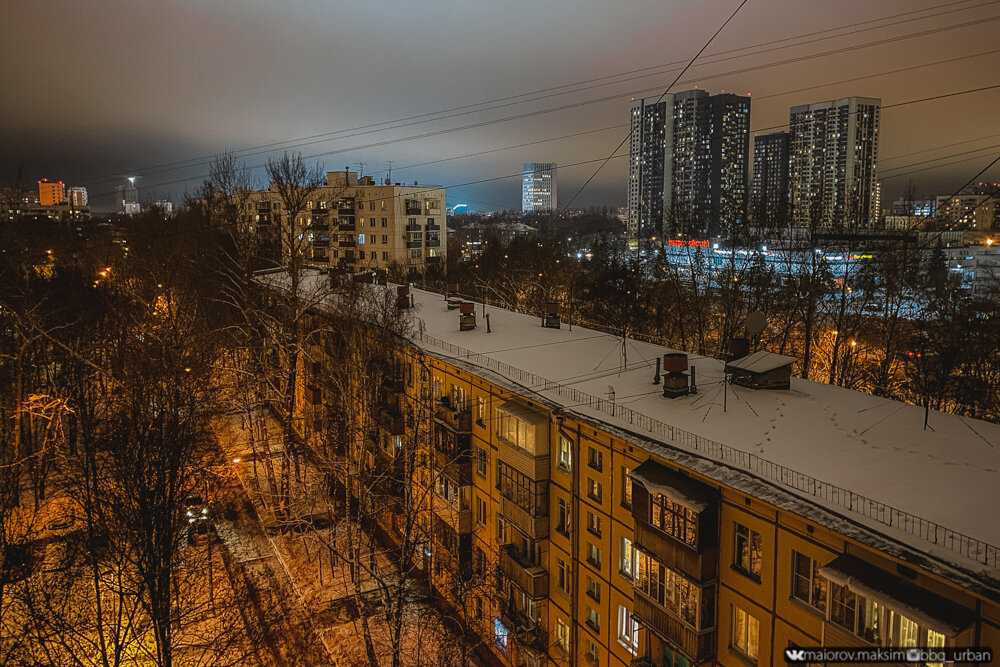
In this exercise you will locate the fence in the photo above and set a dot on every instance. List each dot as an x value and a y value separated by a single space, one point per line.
829 494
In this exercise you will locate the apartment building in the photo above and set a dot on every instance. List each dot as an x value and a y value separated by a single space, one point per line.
51 193
355 224
692 512
688 155
833 157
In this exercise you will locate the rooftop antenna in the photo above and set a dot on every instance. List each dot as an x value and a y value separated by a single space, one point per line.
756 323
388 173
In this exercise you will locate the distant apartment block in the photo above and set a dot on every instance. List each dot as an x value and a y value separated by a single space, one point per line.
769 188
968 211
539 187
51 193
128 197
355 224
77 196
688 162
832 165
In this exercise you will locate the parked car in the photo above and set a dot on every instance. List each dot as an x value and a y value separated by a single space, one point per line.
195 508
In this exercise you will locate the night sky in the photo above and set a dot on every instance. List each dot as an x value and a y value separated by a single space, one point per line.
97 89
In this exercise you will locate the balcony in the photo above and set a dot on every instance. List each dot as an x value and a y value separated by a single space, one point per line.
411 244
345 207
674 554
530 578
413 207
345 225
460 520
347 243
536 527
698 646
458 467
455 419
391 420
534 466
433 242
528 634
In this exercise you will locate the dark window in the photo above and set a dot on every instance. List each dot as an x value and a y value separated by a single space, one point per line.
747 551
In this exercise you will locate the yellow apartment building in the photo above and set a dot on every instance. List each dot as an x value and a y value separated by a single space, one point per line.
356 224
626 504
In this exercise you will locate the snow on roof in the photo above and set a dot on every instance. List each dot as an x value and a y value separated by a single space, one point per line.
761 361
861 456
927 608
839 442
659 479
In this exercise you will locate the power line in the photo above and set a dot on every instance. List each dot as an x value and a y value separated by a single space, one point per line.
941 147
515 117
900 104
628 135
426 115
943 157
597 160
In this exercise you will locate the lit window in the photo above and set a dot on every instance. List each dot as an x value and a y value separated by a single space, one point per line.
628 630
747 551
746 631
565 454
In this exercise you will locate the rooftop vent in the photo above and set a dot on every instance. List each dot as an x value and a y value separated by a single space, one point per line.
761 370
403 298
467 316
551 317
675 379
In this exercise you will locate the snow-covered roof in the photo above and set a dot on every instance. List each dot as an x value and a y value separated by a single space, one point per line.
865 458
761 361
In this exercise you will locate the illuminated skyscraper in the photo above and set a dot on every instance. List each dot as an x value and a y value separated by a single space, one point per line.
688 165
833 156
128 197
539 190
769 188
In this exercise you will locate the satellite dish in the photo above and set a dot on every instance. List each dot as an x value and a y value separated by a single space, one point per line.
756 322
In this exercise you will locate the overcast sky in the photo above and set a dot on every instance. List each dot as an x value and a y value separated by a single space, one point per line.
94 89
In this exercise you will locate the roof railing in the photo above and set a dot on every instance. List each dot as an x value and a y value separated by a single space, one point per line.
831 494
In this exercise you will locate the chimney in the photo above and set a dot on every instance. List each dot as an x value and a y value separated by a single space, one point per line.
694 383
551 317
675 380
403 298
467 316
656 376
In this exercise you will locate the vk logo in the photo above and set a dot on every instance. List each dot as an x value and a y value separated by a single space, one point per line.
795 655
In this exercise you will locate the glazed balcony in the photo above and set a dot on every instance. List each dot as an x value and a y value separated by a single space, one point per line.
698 646
530 578
674 554
536 527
